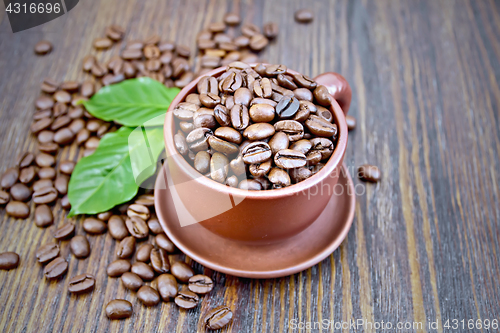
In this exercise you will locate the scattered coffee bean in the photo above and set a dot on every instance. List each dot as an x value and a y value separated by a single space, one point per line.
148 296
20 192
56 268
369 173
181 271
47 253
117 227
270 30
27 174
143 270
154 226
126 248
102 43
43 216
9 178
304 16
67 167
4 197
143 252
18 209
94 226
64 231
218 318
118 267
43 47
186 299
131 281
9 260
167 287
159 260
140 211
351 122
82 283
47 173
119 309
200 284
137 227
80 246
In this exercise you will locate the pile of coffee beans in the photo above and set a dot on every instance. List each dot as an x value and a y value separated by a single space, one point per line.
256 128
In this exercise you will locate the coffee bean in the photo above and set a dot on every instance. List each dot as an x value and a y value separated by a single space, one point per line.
98 70
200 284
258 42
293 129
202 162
155 226
287 107
144 252
27 175
126 248
20 192
56 268
302 146
18 209
67 167
164 243
159 260
167 286
260 169
144 271
4 197
138 211
102 43
369 173
43 47
351 122
222 146
104 216
47 253
62 96
25 159
147 200
228 134
321 127
119 309
207 84
289 159
232 82
232 19
256 152
64 231
46 173
179 66
259 131
49 148
185 111
322 95
279 178
232 181
261 113
300 174
204 118
70 86
9 177
82 283
322 145
148 296
304 16
61 184
76 112
9 260
219 167
94 226
45 137
43 216
117 227
241 41
40 125
49 86
88 62
63 136
262 88
304 81
131 281
240 117
115 32
137 227
80 246
118 267
270 30
222 115
181 271
209 100
250 30
218 318
186 299
197 139
45 195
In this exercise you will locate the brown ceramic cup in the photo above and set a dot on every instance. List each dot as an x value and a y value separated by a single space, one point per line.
252 216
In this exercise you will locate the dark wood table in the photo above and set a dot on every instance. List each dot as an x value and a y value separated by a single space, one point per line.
424 244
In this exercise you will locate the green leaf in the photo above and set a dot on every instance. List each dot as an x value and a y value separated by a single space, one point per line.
113 173
132 102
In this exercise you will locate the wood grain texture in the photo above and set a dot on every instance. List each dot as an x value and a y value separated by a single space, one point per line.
424 245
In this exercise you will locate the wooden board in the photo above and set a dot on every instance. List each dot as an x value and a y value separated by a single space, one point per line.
425 240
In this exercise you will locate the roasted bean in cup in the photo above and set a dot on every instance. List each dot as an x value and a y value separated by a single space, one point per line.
256 128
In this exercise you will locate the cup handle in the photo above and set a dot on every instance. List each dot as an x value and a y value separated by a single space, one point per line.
338 87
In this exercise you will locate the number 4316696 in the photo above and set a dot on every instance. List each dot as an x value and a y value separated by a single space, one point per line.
33 8
455 324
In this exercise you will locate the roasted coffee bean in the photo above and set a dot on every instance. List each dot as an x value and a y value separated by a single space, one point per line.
222 115
126 248
260 169
25 159
208 84
287 107
70 86
144 252
67 167
204 44
46 173
9 177
88 62
118 267
315 169
4 197
20 192
262 88
218 318
302 146
232 82
47 253
159 260
60 122
61 184
179 67
185 111
204 118
228 134
303 94
63 136
80 246
186 127
232 181
369 173
324 113
322 145
42 114
250 30
64 231
60 109
351 122
193 98
9 260
138 211
228 101
49 86
305 110
115 32
76 112
104 216
45 195
119 309
217 27
240 118
155 226
45 137
147 200
43 47
18 209
56 268
222 146
131 54
186 299
167 286
181 271
44 102
314 157
49 148
43 216
164 243
200 284
256 152
102 43
279 178
293 129
286 81
289 159
197 139
137 227
82 283
304 81
238 166
202 162
259 131
148 296
109 79
271 30
304 15
144 271
87 89
258 42
40 125
232 19
219 167
94 226
209 100
62 96
262 113
27 175
131 281
322 95
39 184
88 152
320 127
241 41
299 174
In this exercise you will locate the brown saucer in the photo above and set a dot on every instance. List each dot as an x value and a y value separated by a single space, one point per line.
296 254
